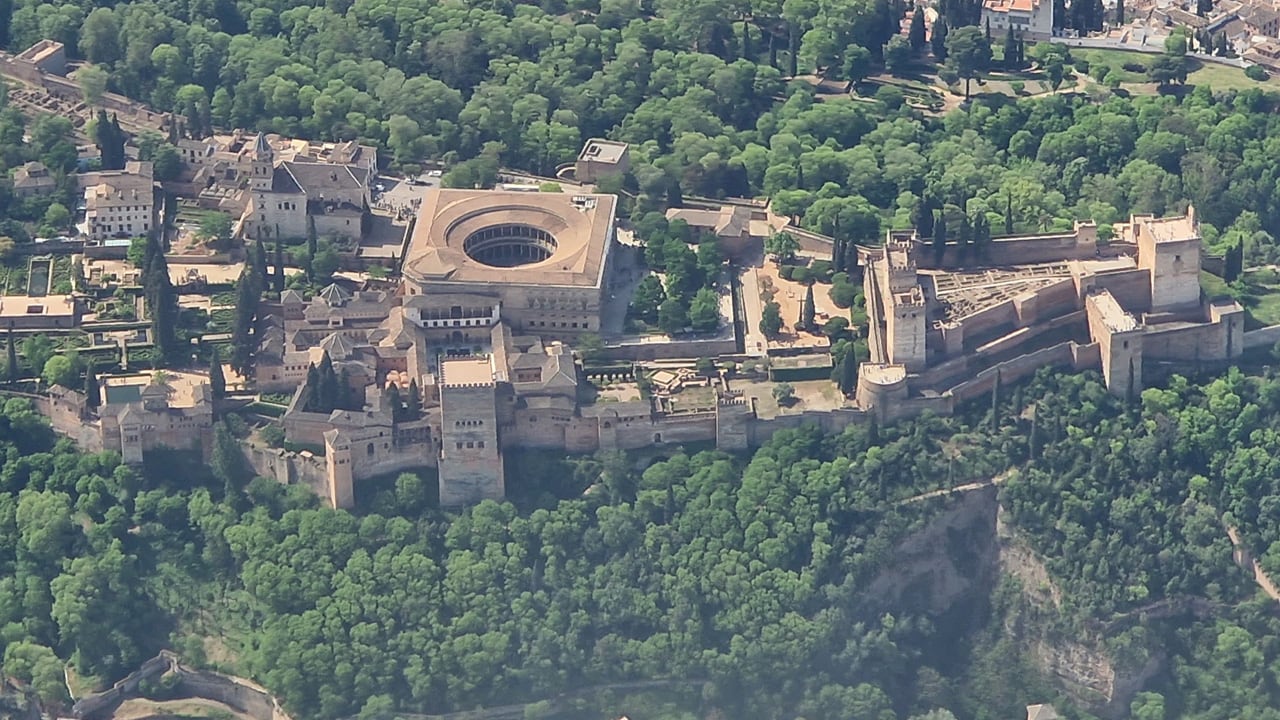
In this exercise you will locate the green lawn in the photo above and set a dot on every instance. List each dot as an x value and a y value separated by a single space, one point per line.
1116 60
1262 297
1221 77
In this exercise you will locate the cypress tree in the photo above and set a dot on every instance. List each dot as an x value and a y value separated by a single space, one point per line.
938 41
328 384
924 218
915 36
394 402
260 265
849 374
988 31
346 398
1010 50
995 403
939 238
1008 215
92 394
312 246
415 399
279 265
312 403
12 369
242 335
807 310
1119 12
217 382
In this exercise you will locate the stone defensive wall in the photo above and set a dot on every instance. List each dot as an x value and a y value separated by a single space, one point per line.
1066 353
238 693
643 349
131 113
1079 244
1262 337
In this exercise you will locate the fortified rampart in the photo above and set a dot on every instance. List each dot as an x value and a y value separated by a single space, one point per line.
240 694
133 115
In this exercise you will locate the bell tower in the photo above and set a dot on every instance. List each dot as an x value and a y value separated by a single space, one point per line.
262 166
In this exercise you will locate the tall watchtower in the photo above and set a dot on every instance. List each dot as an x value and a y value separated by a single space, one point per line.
1168 249
471 467
338 470
262 166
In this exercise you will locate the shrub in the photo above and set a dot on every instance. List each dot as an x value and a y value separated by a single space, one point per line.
821 270
1255 72
802 275
787 272
1018 87
842 294
1135 67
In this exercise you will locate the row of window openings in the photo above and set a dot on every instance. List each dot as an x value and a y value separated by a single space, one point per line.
458 323
468 423
470 444
125 227
543 323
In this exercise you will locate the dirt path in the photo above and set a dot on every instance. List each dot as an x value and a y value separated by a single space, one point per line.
1246 560
959 489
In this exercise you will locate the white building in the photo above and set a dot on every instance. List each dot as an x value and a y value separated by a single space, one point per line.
1030 19
119 203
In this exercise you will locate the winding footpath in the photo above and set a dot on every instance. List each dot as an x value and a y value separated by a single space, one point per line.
957 490
1246 560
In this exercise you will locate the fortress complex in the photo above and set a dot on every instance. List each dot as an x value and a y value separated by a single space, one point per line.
494 282
944 325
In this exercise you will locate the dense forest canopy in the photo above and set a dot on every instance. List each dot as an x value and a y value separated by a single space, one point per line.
745 580
698 88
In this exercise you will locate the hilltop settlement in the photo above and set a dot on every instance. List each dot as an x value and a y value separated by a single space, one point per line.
361 323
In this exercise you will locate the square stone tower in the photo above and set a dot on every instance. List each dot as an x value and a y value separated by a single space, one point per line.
470 460
1119 338
1168 249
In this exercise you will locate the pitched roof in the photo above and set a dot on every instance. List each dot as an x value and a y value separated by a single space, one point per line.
334 294
338 346
315 178
262 148
291 297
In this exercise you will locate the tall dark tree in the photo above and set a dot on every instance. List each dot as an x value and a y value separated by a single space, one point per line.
110 140
312 249
923 217
11 369
217 381
916 35
939 238
1119 12
243 337
849 373
938 41
987 31
161 299
807 310
227 462
6 21
92 393
995 403
1010 50
1204 7
260 264
1008 215
279 262
329 392
1059 14
394 402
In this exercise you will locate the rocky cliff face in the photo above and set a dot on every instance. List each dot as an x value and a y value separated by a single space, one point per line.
962 554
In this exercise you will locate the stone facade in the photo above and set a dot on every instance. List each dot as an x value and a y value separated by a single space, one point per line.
1138 303
137 414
